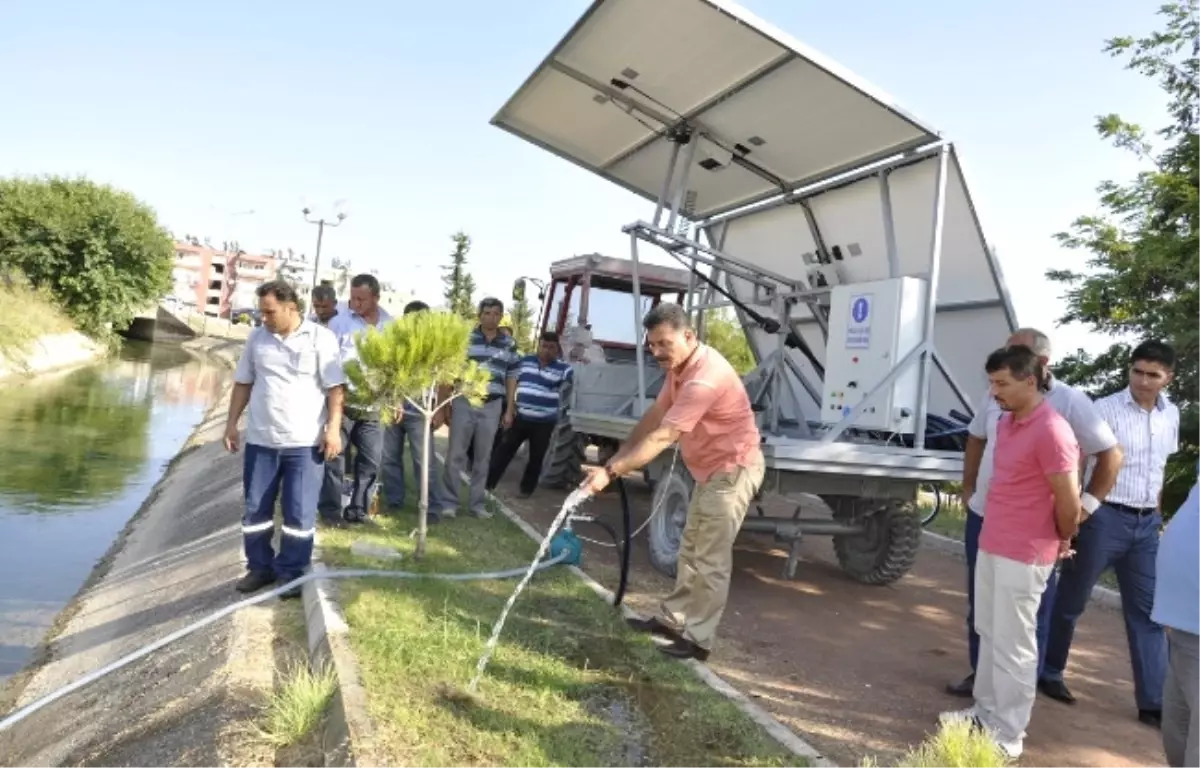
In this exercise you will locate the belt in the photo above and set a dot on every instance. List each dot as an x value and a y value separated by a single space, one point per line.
1139 511
492 398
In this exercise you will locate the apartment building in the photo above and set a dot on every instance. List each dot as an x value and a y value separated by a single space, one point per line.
218 281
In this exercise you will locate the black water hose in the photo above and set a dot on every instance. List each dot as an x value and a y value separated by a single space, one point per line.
622 543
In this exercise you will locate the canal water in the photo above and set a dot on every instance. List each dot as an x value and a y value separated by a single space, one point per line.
79 453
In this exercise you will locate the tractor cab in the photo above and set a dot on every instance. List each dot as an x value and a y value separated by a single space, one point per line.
589 304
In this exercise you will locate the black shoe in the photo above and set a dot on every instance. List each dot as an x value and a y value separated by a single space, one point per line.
683 648
1057 690
524 494
653 626
292 593
358 518
254 581
964 688
332 522
1150 717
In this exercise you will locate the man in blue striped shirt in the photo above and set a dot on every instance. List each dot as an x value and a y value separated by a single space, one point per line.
540 382
496 353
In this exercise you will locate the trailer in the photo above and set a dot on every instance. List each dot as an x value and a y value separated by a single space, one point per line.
836 226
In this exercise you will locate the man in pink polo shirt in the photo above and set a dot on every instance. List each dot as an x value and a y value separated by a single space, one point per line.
703 404
1033 510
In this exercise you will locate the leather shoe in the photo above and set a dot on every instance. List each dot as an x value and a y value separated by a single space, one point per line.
1057 690
683 648
964 688
1151 717
653 626
254 581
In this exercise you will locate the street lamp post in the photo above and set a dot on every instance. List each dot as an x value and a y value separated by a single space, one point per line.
321 224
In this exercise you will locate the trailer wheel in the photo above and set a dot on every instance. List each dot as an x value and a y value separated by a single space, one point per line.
671 498
887 549
563 466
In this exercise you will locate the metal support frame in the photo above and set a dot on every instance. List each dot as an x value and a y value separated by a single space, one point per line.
681 188
666 190
889 224
640 406
935 270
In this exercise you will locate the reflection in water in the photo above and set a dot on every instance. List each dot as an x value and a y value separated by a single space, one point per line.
80 453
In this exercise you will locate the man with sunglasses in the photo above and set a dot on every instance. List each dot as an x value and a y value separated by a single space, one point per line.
1123 532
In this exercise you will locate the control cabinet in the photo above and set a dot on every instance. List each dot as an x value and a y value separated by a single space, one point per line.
872 327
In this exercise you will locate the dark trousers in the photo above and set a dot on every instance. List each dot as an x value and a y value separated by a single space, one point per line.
538 434
361 432
971 544
1128 543
266 474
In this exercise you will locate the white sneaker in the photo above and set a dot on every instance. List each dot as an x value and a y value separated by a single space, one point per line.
968 715
1011 749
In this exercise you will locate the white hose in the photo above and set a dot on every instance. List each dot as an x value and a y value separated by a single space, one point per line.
352 573
653 512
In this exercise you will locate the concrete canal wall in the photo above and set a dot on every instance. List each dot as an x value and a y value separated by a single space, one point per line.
174 563
51 352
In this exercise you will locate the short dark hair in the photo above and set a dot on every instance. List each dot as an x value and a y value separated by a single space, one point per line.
324 292
671 314
1019 360
550 336
366 280
415 306
1154 352
489 302
282 290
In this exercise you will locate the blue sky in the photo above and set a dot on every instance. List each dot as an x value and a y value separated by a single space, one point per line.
207 109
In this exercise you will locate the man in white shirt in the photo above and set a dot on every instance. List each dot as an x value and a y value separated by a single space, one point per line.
1095 440
290 375
1123 533
360 426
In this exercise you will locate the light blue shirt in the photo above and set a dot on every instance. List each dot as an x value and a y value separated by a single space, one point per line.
1177 574
347 324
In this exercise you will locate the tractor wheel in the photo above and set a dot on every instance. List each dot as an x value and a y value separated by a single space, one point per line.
671 498
563 467
887 549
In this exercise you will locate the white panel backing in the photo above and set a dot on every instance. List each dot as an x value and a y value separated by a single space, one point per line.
746 87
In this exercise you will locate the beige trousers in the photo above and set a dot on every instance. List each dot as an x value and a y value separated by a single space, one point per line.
705 562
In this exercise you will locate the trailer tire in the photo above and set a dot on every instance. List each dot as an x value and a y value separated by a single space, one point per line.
672 495
886 550
563 466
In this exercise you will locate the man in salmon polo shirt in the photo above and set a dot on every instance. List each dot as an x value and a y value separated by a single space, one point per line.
703 404
1033 510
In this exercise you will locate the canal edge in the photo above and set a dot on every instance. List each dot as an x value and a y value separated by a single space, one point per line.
224 351
346 734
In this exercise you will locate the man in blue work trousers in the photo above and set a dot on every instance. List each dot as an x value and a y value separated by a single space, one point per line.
1123 532
290 376
1095 439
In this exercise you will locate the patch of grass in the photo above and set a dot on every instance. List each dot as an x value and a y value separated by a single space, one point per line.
569 684
297 706
951 522
28 314
956 745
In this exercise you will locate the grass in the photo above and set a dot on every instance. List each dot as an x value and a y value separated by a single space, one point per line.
28 314
298 704
569 684
951 522
955 745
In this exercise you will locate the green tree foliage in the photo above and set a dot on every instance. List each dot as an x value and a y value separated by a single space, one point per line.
96 249
420 359
460 285
1140 280
520 319
724 334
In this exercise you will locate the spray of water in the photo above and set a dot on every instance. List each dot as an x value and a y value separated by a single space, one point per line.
577 497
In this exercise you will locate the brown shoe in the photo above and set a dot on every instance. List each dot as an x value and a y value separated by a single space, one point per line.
683 648
652 626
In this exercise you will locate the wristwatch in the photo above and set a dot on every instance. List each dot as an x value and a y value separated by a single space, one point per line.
1090 503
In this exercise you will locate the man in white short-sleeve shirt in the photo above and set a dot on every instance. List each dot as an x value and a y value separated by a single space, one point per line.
290 376
1095 440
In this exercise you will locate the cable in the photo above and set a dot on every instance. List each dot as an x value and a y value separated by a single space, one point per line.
352 573
653 512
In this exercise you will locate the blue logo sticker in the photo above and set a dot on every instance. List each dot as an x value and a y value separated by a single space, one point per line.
860 309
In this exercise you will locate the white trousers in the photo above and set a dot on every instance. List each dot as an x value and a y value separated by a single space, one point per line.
1007 594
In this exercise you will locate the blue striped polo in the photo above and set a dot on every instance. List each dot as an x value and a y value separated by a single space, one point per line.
498 356
539 388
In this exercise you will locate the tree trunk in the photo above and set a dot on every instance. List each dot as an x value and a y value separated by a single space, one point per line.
423 505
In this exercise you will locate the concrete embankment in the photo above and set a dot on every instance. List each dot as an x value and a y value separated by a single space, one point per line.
52 352
175 563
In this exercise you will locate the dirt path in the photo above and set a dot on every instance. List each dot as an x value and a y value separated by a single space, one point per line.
860 670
